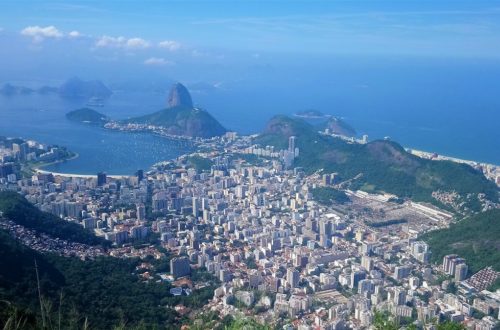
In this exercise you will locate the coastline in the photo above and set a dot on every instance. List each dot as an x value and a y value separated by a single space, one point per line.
492 174
39 169
428 155
75 156
82 176
490 171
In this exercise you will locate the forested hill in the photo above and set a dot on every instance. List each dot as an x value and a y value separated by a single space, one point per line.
104 292
87 115
475 238
383 165
183 121
17 209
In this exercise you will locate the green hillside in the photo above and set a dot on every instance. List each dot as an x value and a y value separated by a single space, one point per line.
338 126
87 115
327 195
106 292
182 120
382 165
476 238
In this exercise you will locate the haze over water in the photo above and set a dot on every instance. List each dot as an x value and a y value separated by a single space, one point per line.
448 108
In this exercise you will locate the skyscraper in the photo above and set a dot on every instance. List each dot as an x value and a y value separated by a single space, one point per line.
141 212
179 267
291 144
461 272
356 277
140 175
101 179
292 277
196 206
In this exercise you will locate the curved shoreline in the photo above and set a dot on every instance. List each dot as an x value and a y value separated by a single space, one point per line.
75 156
82 176
39 169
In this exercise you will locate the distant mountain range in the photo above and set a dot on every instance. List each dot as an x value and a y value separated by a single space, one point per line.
77 88
73 88
379 166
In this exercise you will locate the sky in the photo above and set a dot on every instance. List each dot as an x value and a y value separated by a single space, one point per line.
198 40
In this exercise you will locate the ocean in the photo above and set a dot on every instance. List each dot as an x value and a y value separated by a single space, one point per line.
42 118
448 107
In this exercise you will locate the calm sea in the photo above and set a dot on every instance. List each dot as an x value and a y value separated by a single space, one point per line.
452 108
42 118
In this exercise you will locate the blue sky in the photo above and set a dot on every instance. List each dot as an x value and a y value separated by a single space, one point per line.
174 35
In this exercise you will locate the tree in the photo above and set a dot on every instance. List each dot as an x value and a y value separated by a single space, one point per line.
448 325
382 321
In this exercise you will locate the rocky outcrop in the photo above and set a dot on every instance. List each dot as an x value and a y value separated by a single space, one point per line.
181 118
179 96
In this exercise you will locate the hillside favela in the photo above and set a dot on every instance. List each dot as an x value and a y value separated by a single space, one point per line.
294 165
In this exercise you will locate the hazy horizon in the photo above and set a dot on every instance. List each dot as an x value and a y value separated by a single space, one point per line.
424 73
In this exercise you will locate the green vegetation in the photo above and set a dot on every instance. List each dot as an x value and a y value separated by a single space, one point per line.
103 293
327 195
250 262
182 120
250 159
16 208
495 286
87 115
201 164
448 325
381 166
380 224
211 320
246 323
475 238
384 321
338 126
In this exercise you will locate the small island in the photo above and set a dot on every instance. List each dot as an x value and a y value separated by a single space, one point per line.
311 114
88 116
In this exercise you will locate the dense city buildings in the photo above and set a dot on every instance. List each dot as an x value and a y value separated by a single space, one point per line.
251 219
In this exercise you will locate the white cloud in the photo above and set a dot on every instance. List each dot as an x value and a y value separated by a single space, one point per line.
158 61
75 34
199 53
107 41
39 33
137 43
171 45
122 42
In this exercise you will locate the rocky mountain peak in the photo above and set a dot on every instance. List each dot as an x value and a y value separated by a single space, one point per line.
179 96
